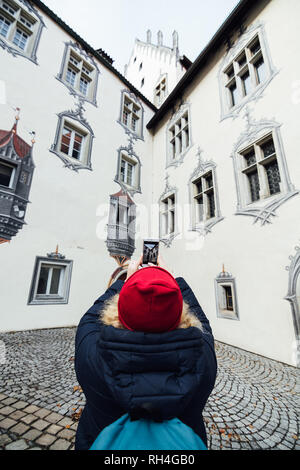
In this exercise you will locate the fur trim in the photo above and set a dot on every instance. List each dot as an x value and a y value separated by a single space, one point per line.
109 315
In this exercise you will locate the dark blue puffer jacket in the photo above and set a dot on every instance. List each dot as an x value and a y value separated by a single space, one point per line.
121 371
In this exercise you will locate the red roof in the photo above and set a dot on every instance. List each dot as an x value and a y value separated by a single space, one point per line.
21 147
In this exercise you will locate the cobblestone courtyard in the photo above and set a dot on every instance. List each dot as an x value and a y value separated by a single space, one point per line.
254 405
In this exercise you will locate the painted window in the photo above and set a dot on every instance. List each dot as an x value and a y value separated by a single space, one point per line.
179 140
260 170
71 76
226 297
127 171
167 216
204 198
160 91
4 26
121 225
72 142
245 72
7 173
131 115
80 75
20 39
51 281
20 27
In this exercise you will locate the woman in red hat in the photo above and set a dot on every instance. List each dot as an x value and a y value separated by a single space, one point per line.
145 348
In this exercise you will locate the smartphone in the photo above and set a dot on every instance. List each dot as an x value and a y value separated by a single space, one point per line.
150 251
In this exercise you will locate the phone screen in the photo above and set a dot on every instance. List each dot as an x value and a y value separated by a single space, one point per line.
150 251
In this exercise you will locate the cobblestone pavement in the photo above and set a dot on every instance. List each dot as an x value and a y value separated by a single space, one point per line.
254 405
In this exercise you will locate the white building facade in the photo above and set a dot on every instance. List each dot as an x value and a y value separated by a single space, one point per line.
212 171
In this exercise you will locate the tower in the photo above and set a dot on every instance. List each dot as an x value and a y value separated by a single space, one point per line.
155 69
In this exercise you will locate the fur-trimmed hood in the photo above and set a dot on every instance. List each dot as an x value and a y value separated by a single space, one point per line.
109 315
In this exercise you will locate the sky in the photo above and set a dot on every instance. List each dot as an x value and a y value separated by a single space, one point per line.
115 24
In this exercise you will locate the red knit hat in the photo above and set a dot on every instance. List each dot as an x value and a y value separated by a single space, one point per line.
150 301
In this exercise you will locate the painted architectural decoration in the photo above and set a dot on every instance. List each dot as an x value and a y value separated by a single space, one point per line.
246 70
293 296
204 196
261 173
79 72
131 116
179 138
21 26
16 171
168 224
73 140
128 174
226 296
121 226
51 279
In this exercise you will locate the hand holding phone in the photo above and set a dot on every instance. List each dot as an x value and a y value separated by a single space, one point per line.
150 251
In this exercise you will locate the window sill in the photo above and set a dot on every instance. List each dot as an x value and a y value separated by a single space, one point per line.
48 300
70 162
179 158
264 212
15 50
258 90
227 314
127 188
75 92
128 130
204 227
168 239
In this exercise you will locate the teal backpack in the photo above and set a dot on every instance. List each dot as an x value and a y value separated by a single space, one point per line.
146 434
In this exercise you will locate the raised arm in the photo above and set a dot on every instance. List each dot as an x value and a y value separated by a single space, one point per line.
89 324
189 297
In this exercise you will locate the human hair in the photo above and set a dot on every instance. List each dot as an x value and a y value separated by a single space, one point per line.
109 315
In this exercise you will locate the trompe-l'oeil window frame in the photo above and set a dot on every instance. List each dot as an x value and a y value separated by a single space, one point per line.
78 66
76 123
238 61
20 28
41 295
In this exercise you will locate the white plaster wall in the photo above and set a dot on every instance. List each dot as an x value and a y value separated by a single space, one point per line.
255 255
64 203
